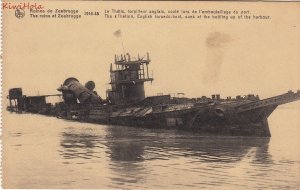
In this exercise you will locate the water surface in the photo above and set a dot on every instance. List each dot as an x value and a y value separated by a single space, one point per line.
46 152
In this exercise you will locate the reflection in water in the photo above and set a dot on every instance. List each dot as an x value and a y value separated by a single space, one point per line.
124 145
79 143
60 154
132 144
125 149
132 151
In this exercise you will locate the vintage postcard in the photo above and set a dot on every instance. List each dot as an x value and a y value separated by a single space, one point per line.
150 94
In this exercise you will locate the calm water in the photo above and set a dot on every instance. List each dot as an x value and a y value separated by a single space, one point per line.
45 152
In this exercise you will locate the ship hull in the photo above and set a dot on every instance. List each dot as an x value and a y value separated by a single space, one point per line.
238 117
259 129
250 123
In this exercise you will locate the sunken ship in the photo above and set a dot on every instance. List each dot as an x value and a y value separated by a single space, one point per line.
126 104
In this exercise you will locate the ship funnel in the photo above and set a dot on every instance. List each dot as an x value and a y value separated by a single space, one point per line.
73 90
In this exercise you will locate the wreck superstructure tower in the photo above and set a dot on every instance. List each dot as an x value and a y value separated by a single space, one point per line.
127 79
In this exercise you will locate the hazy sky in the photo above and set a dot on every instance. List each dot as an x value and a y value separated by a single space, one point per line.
197 57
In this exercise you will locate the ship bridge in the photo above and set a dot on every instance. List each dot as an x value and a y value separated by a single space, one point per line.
127 79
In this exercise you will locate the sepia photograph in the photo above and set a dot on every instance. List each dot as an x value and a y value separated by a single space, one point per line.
150 95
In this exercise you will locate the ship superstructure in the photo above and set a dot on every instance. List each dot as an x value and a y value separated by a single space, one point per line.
127 80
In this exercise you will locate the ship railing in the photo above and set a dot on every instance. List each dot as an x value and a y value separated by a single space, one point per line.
276 100
131 81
